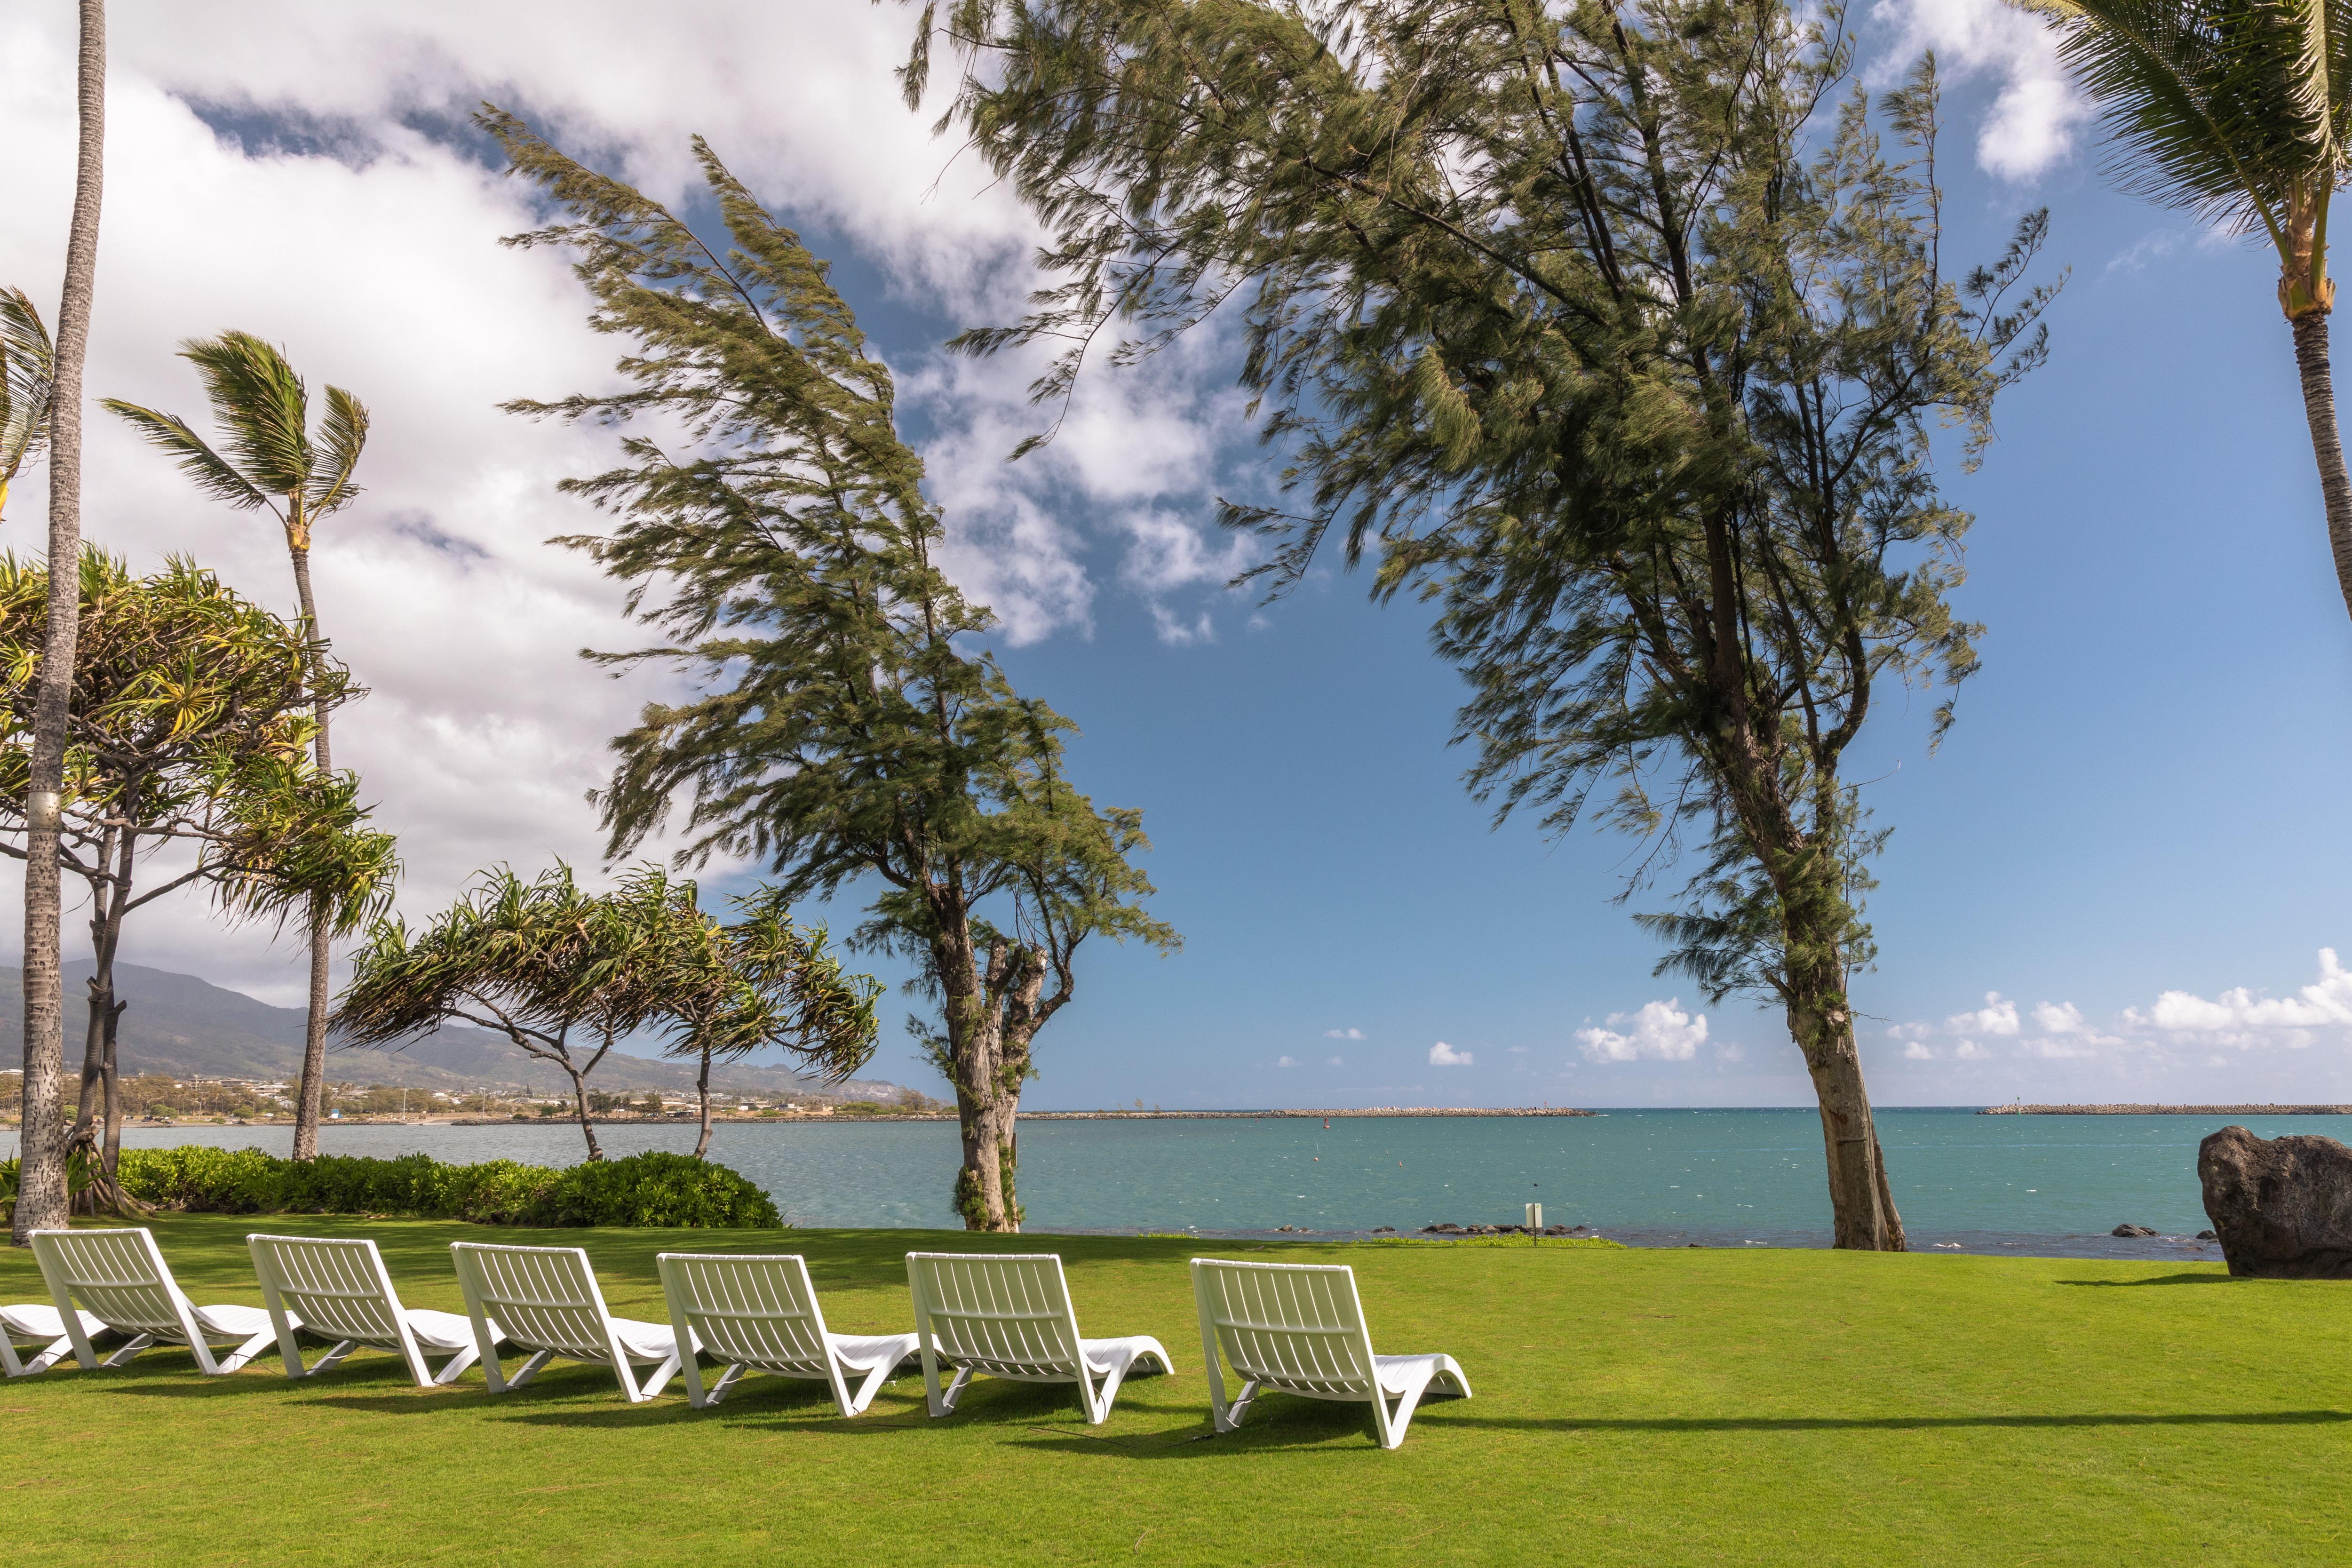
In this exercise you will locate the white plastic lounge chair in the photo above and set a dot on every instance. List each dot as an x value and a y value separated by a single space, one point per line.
1298 1328
1009 1315
120 1278
759 1313
547 1302
31 1324
338 1289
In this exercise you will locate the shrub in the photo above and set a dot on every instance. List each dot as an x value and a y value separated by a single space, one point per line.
650 1189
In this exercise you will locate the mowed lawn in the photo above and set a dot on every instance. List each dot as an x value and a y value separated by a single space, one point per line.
1632 1406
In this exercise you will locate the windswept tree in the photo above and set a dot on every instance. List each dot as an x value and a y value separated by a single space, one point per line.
718 992
189 731
844 729
2239 111
541 961
29 365
41 1195
1617 335
275 464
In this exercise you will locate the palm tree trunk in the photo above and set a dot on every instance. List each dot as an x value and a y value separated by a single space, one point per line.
41 1183
2327 442
308 1101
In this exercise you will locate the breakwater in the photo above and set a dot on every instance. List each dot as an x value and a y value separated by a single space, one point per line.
2165 1110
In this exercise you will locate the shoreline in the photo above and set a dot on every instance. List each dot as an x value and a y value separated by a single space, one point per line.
2165 1110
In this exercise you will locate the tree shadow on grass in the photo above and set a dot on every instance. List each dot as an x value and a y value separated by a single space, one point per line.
2152 1280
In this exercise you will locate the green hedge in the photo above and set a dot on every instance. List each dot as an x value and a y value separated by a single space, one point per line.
649 1189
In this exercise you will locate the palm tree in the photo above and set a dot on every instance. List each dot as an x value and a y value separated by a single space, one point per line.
2236 111
41 1192
28 364
276 465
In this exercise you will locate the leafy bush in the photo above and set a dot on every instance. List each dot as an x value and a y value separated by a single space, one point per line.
650 1189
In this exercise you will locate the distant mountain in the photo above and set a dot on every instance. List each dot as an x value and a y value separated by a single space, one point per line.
189 1027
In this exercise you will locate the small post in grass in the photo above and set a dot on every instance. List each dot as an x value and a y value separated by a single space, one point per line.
1535 1224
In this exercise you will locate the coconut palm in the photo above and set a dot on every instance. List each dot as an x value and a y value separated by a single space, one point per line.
41 1198
29 365
2237 111
274 464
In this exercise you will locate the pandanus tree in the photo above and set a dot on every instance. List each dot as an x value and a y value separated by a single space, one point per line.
188 732
2237 111
29 365
41 1195
715 993
278 464
1616 334
841 729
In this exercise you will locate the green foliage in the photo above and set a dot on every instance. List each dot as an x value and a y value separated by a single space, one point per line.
653 1188
27 366
190 721
274 462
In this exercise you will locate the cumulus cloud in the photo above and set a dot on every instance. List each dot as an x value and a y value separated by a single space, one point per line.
1343 1034
1660 1031
1996 1016
2035 112
1915 1052
2242 1018
1335 1061
1969 1051
1442 1054
1286 1061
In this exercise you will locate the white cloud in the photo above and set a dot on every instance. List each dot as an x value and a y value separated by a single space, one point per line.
2031 123
1995 1017
1343 1034
1442 1054
1286 1061
1335 1061
1969 1051
1915 1052
2063 1019
1661 1031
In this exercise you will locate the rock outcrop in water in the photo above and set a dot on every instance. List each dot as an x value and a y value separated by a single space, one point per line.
2282 1207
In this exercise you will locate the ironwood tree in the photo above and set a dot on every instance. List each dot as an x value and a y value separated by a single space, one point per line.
189 729
844 728
1617 335
276 464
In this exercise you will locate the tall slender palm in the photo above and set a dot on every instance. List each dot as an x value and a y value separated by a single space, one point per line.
41 1189
2237 111
274 464
29 365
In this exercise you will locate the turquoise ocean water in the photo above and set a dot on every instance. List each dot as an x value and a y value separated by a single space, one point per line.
2041 1184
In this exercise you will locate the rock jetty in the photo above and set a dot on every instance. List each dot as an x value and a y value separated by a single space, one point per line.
2281 1207
2165 1110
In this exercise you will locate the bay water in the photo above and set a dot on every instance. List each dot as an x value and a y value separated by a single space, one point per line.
2051 1185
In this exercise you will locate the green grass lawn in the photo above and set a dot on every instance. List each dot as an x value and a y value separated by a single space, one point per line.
1632 1406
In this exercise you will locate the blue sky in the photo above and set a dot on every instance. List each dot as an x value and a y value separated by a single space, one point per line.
2114 880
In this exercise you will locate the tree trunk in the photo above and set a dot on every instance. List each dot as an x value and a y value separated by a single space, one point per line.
702 1088
1862 1206
2327 442
579 1104
307 1104
41 1181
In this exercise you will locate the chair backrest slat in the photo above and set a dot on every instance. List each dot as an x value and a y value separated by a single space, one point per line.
1008 1314
118 1277
545 1298
1294 1326
757 1310
337 1286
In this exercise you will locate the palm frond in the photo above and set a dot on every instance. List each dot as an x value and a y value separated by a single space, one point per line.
212 473
27 366
340 436
262 403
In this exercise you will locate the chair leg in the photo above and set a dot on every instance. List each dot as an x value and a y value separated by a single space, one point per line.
332 1359
653 1384
727 1379
1239 1406
954 1391
1400 1417
530 1369
130 1347
9 1365
455 1367
235 1361
869 1388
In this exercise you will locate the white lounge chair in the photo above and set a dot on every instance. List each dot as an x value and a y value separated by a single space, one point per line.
758 1313
1009 1315
30 1323
1298 1328
547 1302
339 1290
120 1278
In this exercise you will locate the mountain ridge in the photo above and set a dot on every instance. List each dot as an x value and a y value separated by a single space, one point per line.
186 1026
